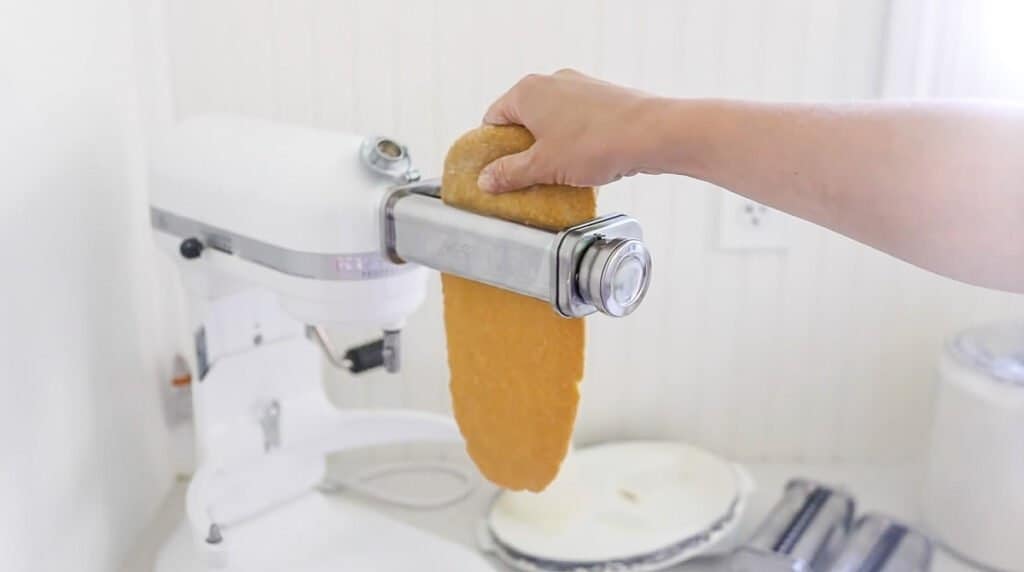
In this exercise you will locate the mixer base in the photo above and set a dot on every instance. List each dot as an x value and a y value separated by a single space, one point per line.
318 534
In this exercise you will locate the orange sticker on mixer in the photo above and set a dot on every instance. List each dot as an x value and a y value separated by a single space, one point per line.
515 364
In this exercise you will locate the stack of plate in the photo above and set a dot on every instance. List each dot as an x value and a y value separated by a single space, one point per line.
637 506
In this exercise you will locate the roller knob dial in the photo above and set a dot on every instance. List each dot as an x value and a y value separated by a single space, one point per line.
614 274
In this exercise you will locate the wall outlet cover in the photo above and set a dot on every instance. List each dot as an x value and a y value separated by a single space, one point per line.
744 224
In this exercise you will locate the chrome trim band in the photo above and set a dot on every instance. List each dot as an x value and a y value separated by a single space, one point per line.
354 266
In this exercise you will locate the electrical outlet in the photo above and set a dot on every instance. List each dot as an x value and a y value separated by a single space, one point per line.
744 224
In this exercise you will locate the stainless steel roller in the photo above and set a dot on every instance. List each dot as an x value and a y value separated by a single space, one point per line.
803 532
601 265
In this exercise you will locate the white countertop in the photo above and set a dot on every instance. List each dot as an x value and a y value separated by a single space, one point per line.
886 489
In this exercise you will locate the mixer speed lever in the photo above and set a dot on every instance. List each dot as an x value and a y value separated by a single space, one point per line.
384 352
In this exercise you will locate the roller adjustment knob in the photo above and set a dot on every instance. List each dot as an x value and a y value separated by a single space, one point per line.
614 274
191 248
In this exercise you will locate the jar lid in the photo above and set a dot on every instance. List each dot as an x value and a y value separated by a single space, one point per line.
996 351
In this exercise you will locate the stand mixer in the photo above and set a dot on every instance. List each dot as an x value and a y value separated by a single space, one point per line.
279 231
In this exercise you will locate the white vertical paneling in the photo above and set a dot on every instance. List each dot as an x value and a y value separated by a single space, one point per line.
292 58
821 352
333 30
578 34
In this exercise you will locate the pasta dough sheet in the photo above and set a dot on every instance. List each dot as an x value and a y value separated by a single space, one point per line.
515 364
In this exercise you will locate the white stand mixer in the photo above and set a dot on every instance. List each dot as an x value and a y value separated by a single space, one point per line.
278 230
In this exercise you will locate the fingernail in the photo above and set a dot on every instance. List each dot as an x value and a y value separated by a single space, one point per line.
486 181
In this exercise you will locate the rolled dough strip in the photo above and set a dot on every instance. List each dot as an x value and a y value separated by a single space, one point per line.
515 364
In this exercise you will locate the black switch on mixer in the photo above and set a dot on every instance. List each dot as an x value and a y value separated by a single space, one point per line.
366 356
191 248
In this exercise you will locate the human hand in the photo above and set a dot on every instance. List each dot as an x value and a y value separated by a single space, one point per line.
588 132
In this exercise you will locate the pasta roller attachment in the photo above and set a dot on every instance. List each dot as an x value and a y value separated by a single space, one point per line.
803 532
601 265
881 544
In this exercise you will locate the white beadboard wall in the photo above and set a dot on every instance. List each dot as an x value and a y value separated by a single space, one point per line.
823 352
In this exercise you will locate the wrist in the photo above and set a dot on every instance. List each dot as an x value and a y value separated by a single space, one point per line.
676 136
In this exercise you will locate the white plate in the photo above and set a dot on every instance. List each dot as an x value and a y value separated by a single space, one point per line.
628 502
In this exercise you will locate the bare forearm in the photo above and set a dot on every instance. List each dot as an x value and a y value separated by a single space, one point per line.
939 185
